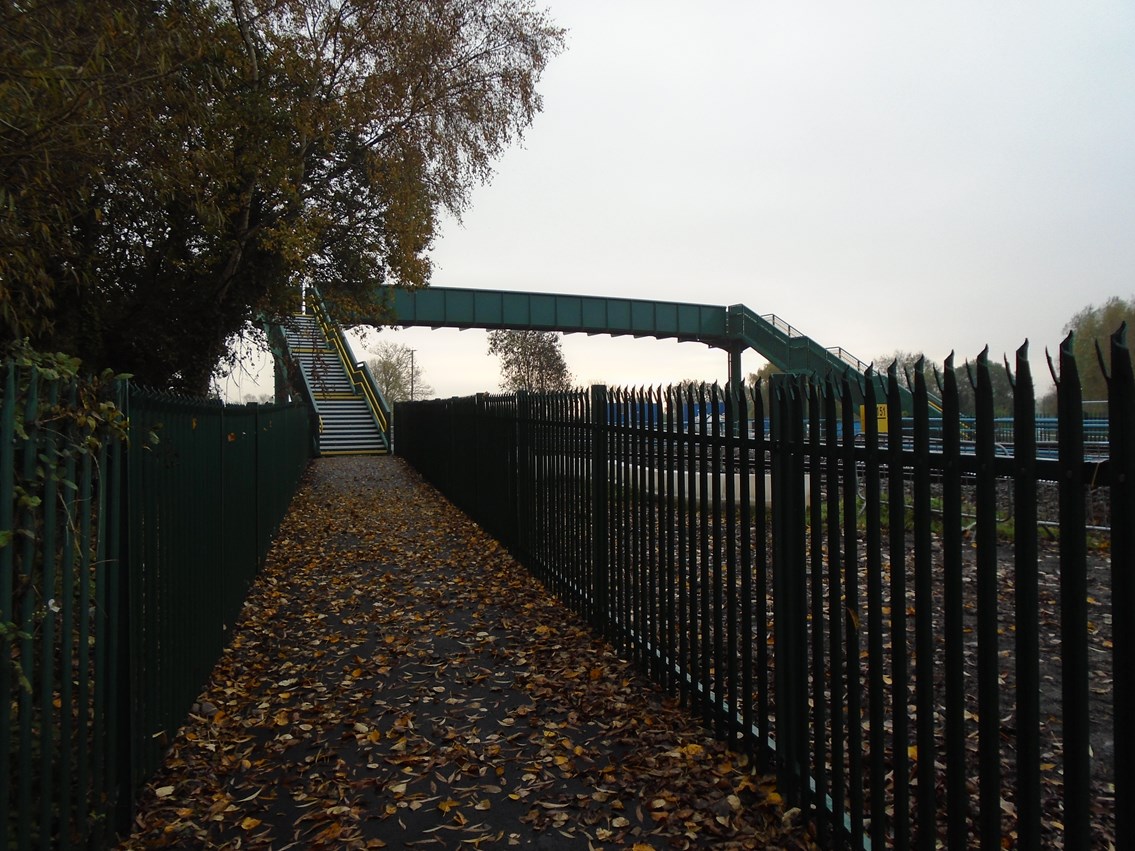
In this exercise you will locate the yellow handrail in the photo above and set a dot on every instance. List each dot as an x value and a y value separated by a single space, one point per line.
353 372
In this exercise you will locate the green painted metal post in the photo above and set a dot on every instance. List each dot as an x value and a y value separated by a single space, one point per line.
7 569
599 464
736 379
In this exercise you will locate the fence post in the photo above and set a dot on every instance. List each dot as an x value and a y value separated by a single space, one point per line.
118 553
600 604
1121 410
1073 603
789 595
1027 606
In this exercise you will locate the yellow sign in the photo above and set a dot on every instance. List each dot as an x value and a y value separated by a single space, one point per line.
880 417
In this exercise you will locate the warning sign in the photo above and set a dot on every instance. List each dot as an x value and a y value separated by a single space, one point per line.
880 417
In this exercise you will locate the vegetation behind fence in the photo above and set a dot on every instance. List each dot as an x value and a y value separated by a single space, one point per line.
123 567
880 617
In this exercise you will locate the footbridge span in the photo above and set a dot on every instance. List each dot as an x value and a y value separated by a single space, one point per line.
733 329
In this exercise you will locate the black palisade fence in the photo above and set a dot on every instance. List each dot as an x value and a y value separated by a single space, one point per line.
896 610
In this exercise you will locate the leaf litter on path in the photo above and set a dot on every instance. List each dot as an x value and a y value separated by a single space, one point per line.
397 680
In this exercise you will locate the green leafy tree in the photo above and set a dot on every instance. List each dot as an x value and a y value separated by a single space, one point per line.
397 374
530 360
1093 326
169 172
763 375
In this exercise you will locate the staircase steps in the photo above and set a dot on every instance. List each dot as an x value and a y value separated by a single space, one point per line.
347 426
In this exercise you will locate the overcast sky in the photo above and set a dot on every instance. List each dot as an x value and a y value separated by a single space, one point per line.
881 175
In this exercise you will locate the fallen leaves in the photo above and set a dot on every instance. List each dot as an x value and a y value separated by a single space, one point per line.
398 680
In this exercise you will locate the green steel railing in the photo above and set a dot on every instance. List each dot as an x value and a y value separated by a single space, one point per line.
60 653
358 372
123 567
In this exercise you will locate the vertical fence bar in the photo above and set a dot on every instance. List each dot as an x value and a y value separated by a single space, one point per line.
923 616
25 656
642 616
816 607
717 579
873 543
733 726
525 531
1073 603
600 497
683 470
120 744
670 537
705 648
957 796
48 723
625 532
896 530
83 671
761 637
835 617
1121 412
1027 606
654 505
852 621
746 568
988 655
67 709
7 577
581 515
790 590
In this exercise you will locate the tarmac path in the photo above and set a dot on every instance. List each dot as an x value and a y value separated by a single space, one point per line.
397 680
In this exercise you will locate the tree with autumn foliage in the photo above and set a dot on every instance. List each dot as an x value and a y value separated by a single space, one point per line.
169 172
532 361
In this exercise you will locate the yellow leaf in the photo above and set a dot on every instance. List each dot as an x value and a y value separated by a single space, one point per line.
774 798
912 751
248 823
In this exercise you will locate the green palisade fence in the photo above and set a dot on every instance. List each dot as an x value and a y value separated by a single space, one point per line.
123 568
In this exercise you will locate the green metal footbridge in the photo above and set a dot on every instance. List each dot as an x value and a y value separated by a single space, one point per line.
734 328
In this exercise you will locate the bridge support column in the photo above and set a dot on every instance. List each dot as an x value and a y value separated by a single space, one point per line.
736 379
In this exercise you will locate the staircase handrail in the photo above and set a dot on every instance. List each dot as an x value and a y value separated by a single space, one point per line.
276 336
368 376
357 373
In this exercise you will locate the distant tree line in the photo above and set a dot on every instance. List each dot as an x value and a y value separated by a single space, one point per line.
1091 328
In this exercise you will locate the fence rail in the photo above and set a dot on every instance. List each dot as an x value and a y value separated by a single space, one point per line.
123 566
918 665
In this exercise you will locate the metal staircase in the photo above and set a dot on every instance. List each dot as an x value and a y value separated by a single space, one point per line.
350 423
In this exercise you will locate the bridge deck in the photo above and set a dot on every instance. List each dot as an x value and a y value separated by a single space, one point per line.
734 328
